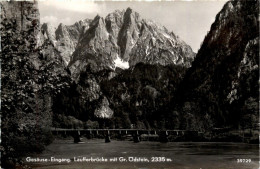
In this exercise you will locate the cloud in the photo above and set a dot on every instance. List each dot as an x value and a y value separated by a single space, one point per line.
49 19
66 20
55 21
81 6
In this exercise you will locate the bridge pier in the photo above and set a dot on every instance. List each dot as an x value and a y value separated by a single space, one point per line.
76 137
107 137
119 134
136 137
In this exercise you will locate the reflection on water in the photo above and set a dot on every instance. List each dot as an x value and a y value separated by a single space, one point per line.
181 155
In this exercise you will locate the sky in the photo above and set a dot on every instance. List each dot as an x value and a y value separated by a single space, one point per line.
190 20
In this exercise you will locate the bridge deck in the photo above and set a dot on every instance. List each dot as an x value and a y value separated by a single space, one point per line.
63 129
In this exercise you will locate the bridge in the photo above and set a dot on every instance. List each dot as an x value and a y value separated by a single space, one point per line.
134 133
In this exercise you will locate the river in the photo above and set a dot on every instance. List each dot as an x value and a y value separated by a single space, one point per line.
175 155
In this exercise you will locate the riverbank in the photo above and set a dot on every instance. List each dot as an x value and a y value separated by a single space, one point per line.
216 135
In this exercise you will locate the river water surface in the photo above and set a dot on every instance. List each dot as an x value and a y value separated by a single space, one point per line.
178 155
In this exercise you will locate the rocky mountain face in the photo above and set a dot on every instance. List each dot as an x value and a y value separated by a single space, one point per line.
222 84
64 38
105 49
123 39
25 15
30 76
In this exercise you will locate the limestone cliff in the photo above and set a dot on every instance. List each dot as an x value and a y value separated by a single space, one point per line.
223 80
123 39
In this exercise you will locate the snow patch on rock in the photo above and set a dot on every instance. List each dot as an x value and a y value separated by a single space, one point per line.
120 63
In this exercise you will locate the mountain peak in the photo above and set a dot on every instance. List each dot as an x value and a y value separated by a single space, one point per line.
116 13
97 17
46 26
129 10
125 39
122 39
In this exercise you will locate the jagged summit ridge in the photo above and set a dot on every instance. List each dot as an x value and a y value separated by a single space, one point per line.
123 39
64 38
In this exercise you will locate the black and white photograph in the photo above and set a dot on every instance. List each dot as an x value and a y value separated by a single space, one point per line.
90 84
